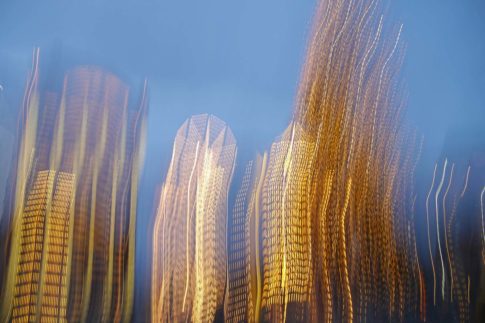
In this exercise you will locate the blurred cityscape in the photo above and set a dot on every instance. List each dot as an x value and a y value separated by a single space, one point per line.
332 223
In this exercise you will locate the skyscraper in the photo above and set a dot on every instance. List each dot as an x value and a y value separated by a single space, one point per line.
286 227
270 264
74 199
41 286
243 270
362 167
189 241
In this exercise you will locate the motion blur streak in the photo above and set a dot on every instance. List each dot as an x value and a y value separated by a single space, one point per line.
189 257
78 158
438 227
349 102
327 224
429 236
337 190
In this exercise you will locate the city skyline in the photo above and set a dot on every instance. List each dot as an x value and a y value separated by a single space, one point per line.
264 260
222 186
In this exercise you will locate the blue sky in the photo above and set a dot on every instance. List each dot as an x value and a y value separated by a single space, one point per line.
241 60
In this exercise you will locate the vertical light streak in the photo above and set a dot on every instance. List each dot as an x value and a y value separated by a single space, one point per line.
438 230
379 89
429 238
188 216
189 269
287 165
137 131
238 292
332 49
365 61
70 262
349 306
108 290
159 248
89 270
257 309
323 227
226 229
287 227
466 181
445 230
27 134
117 264
422 291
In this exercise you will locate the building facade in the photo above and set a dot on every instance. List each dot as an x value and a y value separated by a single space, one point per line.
269 243
73 204
189 241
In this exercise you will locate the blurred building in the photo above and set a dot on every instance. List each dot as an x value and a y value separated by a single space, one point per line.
42 269
269 260
244 243
286 228
189 241
73 203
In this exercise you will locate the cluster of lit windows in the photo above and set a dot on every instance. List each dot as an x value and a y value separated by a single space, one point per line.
238 281
189 260
87 129
286 245
42 262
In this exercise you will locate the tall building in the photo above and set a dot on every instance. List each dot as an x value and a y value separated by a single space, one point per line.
270 268
243 290
44 246
362 167
189 241
73 204
286 228
336 200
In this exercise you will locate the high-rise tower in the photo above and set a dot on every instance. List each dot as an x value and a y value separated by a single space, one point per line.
286 227
189 241
73 202
269 274
243 290
41 282
362 166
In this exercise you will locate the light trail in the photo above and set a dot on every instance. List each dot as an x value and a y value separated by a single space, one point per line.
438 230
429 238
445 230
